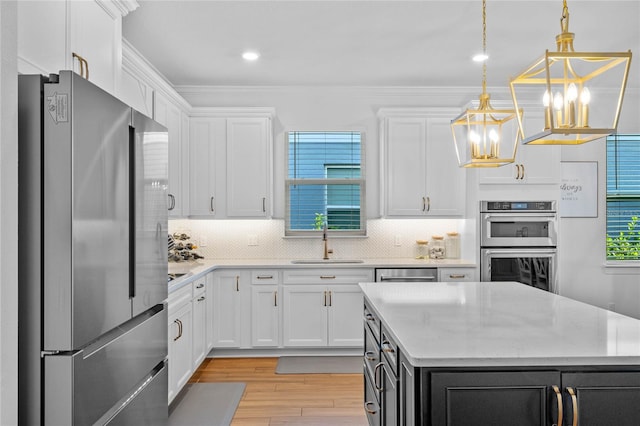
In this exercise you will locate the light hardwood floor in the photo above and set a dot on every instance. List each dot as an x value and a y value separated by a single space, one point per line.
287 399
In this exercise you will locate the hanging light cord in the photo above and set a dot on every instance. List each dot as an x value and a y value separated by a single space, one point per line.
484 46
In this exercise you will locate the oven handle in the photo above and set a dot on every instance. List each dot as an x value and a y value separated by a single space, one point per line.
511 218
529 251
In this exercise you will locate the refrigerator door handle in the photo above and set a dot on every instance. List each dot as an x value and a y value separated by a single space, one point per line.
132 212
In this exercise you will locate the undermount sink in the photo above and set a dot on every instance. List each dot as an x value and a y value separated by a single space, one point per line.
324 261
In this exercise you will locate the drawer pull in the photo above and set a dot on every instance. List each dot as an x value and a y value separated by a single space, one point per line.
574 404
386 347
275 298
559 402
265 277
368 404
370 356
456 276
200 285
327 277
375 377
369 317
200 299
179 323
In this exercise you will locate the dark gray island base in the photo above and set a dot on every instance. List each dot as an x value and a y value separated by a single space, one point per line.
496 354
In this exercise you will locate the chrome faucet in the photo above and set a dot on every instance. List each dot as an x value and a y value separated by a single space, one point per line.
327 250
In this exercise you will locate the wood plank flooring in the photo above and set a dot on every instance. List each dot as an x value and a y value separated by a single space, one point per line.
287 399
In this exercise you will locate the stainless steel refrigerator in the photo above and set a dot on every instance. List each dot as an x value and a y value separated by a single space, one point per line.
93 265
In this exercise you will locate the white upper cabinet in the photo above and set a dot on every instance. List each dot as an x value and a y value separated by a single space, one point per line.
230 163
171 116
50 32
534 164
420 174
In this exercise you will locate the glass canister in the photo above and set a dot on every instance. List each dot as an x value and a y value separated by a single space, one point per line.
436 247
452 245
422 251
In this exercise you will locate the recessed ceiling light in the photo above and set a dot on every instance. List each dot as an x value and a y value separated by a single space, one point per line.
480 57
250 56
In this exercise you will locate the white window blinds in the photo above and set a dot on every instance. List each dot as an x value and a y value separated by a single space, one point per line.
324 184
623 197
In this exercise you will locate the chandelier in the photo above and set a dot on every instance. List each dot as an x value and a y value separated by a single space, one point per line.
485 136
579 93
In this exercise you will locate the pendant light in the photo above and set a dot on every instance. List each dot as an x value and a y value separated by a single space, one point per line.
485 136
578 94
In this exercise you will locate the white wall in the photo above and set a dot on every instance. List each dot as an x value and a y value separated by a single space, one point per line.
8 215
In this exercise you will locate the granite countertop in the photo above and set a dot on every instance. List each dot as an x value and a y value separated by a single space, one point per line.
480 324
197 268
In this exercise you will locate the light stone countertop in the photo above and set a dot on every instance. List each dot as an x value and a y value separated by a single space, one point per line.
483 324
198 268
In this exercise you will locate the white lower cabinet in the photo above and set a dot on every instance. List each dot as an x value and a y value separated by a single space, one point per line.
322 307
199 321
265 315
180 338
230 308
210 310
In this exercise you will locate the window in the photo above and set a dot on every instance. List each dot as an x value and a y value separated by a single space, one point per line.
623 197
324 184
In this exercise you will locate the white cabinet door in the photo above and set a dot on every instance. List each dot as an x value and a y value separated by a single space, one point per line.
421 174
405 172
345 315
304 315
210 306
199 322
170 116
204 135
42 41
180 349
445 180
265 315
248 167
228 286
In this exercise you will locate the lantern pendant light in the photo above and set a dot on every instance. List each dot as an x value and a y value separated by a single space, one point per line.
567 85
485 136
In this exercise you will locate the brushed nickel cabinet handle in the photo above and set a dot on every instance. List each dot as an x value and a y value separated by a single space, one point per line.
264 204
265 277
237 282
179 324
375 377
556 390
424 204
428 204
523 171
574 404
172 202
211 206
367 404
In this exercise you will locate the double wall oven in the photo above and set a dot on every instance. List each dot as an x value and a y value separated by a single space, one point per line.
518 242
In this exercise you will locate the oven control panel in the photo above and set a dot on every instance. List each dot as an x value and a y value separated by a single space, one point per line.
518 206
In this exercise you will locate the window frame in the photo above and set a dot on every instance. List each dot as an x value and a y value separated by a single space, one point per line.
361 181
617 197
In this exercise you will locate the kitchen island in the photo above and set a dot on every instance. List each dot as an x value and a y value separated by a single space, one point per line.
496 353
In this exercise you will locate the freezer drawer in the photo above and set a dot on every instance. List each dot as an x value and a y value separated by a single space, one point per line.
80 387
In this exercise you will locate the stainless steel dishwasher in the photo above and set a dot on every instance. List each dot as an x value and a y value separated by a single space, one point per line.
407 274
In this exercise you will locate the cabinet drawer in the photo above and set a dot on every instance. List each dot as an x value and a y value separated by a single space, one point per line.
389 349
265 276
328 276
457 274
199 286
179 298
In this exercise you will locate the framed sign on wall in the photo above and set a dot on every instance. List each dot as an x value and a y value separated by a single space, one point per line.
579 189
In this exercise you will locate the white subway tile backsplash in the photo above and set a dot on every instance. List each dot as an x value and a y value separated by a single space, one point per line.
233 239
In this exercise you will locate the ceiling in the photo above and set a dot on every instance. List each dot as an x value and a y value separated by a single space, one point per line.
367 43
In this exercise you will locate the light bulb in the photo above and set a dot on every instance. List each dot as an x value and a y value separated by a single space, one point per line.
546 98
558 101
474 137
585 96
493 136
